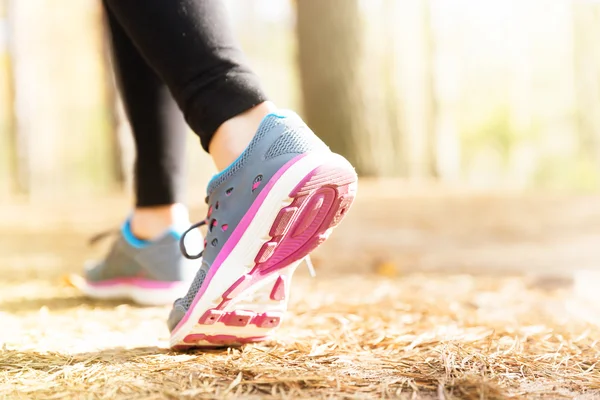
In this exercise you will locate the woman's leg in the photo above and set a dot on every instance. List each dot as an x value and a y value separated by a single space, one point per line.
190 45
145 263
159 133
279 197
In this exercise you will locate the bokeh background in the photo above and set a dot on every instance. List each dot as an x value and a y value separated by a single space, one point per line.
474 126
485 93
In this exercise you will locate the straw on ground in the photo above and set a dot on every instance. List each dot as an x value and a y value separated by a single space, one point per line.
415 336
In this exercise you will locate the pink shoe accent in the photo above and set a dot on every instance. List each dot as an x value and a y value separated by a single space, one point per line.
278 292
282 221
267 320
222 340
137 282
309 213
224 227
318 211
323 176
210 317
265 252
238 318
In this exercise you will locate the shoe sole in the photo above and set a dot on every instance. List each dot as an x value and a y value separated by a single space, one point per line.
244 296
142 292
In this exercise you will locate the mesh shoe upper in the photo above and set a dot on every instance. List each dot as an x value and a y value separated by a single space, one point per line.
159 260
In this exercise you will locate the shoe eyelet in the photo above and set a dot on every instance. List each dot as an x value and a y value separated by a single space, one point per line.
256 183
214 242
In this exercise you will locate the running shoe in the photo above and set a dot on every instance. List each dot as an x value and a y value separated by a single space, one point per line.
266 212
146 272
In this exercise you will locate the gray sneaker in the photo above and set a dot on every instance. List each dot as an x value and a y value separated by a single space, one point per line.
267 211
146 272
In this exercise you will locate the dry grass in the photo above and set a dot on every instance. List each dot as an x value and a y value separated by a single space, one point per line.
442 337
347 336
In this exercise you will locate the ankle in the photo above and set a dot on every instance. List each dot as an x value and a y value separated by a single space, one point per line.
150 222
234 135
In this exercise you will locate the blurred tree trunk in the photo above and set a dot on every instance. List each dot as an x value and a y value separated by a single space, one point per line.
586 23
411 52
366 83
331 44
445 77
17 139
116 116
62 144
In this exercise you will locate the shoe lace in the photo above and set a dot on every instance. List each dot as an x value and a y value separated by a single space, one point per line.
182 241
109 232
102 235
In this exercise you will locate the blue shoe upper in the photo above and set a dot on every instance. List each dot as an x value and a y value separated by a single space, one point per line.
280 137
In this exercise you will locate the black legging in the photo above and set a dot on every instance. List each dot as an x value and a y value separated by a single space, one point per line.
182 50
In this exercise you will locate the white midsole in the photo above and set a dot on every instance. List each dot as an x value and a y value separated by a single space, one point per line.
257 301
241 259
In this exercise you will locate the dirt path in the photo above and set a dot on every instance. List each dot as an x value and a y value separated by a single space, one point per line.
353 336
350 333
418 228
